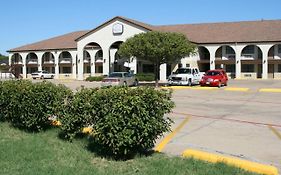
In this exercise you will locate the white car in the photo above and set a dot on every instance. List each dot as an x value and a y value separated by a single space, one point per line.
42 74
120 79
185 76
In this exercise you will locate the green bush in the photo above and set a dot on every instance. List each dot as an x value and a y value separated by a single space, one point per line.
96 78
125 121
145 76
79 112
29 105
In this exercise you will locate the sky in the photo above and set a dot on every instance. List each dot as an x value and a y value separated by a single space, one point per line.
27 21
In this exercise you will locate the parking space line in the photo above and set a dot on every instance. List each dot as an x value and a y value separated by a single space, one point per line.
169 137
270 90
236 89
187 87
275 131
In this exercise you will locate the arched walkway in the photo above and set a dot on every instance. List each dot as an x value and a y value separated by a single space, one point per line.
32 63
99 62
119 64
65 64
225 59
251 62
48 62
17 64
204 59
274 61
91 53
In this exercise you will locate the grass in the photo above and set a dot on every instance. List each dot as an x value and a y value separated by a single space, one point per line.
44 153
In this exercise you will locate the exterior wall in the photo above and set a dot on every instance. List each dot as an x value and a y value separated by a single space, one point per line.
105 38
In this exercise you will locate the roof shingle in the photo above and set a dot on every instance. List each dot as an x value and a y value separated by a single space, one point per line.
208 33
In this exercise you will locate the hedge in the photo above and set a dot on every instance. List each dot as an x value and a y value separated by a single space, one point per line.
28 105
96 78
125 121
145 76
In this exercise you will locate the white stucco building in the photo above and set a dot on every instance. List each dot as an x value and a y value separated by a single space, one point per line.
248 50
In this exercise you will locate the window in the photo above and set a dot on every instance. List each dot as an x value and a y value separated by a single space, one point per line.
279 48
66 70
279 67
229 50
249 50
187 65
247 68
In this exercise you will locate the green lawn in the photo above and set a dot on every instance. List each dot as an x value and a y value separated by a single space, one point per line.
44 153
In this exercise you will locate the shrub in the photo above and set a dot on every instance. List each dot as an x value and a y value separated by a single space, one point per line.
96 78
145 76
130 120
125 121
78 112
30 105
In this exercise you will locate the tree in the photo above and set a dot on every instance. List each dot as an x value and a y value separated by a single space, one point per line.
158 48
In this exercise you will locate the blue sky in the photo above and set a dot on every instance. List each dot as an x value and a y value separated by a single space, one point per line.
27 21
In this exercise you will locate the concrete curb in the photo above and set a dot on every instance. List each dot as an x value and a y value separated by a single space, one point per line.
243 164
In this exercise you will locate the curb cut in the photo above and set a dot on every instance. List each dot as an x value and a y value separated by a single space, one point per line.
243 164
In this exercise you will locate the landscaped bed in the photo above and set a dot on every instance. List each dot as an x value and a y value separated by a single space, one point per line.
44 153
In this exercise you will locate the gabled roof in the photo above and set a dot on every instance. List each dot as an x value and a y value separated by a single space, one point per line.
66 41
229 32
207 33
130 21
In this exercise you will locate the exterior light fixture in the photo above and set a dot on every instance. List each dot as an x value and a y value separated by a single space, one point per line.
237 61
264 61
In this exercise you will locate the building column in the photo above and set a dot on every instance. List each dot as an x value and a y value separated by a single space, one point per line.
212 59
106 60
73 65
39 57
264 65
134 65
163 72
80 63
265 48
238 51
93 61
57 71
10 58
24 67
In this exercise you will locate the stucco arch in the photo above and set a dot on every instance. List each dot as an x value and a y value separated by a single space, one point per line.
65 62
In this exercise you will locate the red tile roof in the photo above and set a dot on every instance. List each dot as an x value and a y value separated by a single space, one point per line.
228 32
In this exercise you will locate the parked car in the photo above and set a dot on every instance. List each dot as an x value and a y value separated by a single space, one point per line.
216 77
185 76
120 79
42 74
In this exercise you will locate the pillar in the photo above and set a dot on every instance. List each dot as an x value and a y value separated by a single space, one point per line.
24 71
106 60
238 51
39 63
73 65
264 64
163 72
212 59
57 71
80 63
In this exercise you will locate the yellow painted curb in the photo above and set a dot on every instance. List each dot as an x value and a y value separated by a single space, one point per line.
243 164
270 90
236 89
187 87
169 137
204 88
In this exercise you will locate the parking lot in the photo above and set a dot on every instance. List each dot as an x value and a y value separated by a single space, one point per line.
241 120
